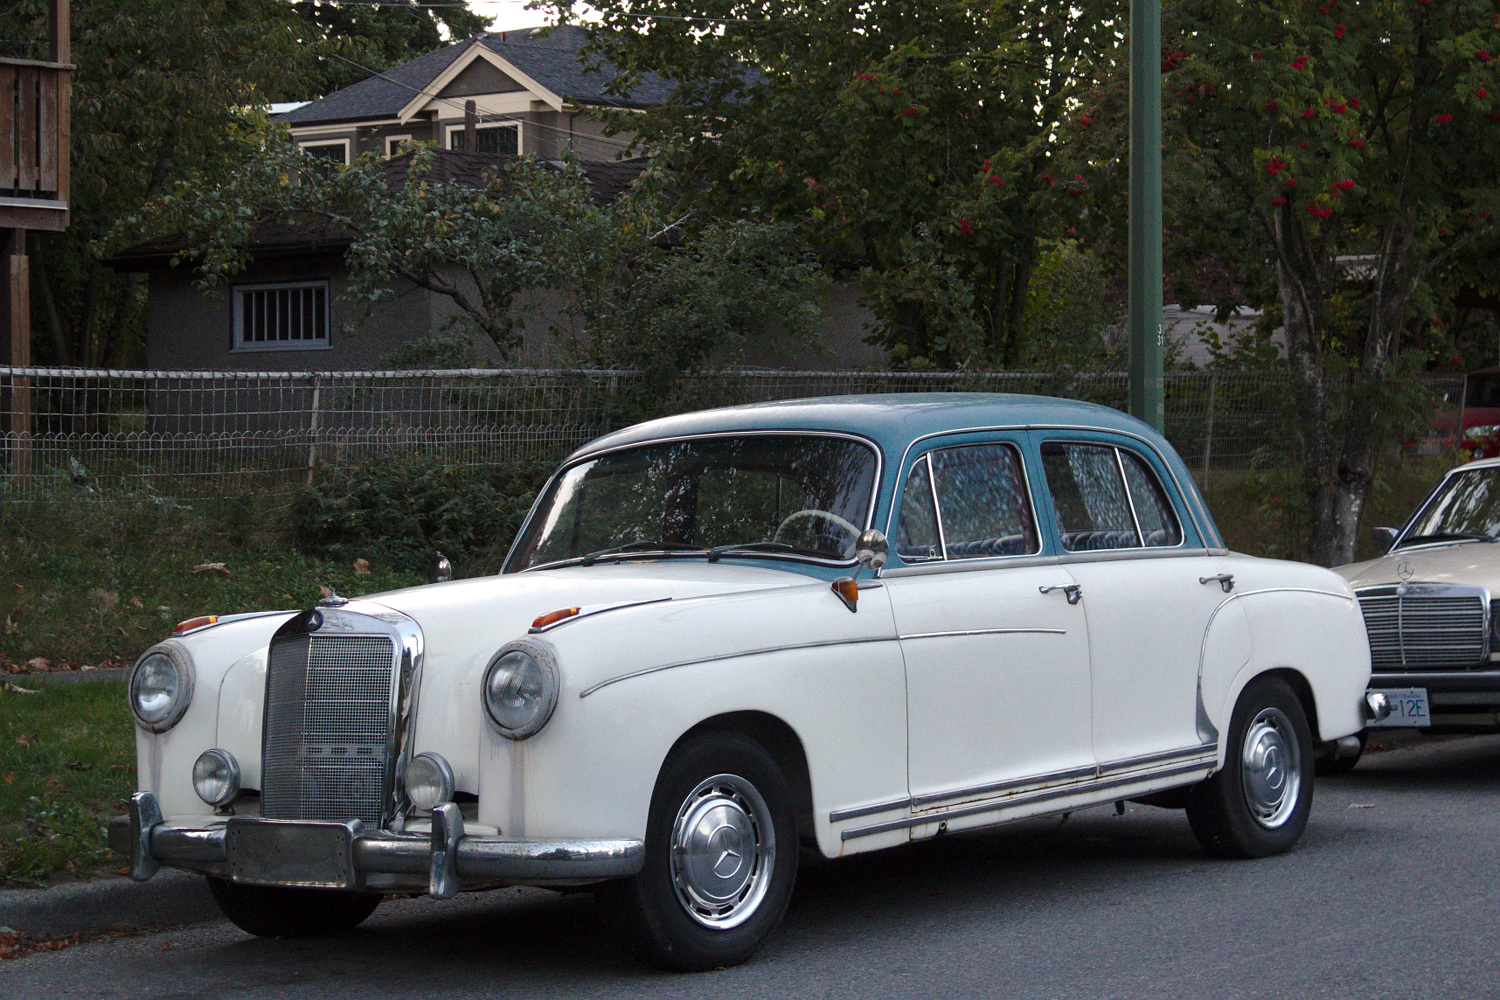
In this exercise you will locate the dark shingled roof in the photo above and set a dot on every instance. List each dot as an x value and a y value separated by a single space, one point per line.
272 240
551 59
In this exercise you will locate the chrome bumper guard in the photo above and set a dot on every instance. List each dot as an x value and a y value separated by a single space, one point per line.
448 858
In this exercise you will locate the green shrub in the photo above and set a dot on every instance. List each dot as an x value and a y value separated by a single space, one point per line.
399 510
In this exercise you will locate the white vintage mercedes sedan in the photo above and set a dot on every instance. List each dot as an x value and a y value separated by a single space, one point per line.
726 637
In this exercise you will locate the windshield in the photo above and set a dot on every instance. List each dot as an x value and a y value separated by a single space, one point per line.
1467 506
781 494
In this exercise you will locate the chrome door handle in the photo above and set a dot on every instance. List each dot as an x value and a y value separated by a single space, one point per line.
1224 580
1073 592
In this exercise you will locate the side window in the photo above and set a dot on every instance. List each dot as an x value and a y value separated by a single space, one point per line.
1093 511
1152 509
982 506
917 532
1106 498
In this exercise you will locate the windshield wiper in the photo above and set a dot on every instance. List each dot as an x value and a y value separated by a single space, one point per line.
718 551
1450 536
638 546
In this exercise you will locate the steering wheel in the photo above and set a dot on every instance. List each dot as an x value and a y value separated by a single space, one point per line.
813 513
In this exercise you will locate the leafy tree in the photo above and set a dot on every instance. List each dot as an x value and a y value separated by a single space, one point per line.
160 92
1358 143
920 142
352 39
640 285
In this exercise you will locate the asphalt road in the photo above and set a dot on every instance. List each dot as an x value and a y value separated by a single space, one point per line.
1392 893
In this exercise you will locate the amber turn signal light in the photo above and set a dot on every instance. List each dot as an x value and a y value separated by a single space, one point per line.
193 623
553 617
847 589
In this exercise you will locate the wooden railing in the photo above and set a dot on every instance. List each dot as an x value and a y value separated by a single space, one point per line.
34 135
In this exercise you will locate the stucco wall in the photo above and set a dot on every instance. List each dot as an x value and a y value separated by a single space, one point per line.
190 331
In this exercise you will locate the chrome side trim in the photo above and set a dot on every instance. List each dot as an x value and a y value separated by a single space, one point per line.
734 656
996 787
839 815
595 609
1165 756
1042 795
985 631
1207 751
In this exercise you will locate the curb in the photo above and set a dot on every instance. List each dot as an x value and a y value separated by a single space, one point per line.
171 897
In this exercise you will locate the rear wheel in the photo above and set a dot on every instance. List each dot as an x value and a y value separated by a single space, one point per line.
289 912
721 857
1259 803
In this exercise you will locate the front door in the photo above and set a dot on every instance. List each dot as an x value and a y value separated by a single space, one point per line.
997 660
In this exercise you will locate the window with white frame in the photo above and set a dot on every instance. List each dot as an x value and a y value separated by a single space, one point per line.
284 316
489 137
395 145
335 150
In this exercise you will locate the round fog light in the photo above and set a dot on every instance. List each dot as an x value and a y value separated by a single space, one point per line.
429 781
216 777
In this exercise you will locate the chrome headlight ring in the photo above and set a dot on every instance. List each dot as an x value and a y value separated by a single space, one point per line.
520 688
161 687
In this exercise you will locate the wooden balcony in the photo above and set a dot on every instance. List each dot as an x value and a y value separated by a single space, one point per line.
34 137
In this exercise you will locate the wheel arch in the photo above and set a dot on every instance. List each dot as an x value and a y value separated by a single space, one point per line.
781 742
1302 688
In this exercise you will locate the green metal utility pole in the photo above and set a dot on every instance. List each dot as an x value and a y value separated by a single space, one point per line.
1144 323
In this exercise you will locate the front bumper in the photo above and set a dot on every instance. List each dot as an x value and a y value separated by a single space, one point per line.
345 855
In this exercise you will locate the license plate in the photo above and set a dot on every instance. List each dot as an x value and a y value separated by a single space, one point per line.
292 852
1408 708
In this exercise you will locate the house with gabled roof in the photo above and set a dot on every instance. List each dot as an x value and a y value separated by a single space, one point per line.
482 102
527 91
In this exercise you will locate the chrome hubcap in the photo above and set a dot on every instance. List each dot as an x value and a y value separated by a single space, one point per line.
723 851
1271 768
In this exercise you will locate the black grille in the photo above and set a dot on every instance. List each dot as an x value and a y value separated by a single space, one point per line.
327 727
1425 631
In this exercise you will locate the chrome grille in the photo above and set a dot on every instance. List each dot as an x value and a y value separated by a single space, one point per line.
1429 628
327 727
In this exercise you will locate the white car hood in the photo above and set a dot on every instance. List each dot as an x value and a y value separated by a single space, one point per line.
505 606
1472 563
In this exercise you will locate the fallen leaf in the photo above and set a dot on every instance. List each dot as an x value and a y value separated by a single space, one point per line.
20 589
18 689
39 664
362 567
123 871
25 740
88 666
79 765
1361 805
211 567
119 767
10 777
55 785
135 602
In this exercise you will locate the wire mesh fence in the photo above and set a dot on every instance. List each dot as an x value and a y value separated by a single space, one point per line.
194 433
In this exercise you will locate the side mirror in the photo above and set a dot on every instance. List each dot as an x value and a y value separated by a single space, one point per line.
1384 538
872 549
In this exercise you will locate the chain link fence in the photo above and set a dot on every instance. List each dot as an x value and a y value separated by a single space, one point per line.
179 434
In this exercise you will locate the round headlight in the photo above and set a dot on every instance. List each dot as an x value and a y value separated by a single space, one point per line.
429 781
161 687
216 777
520 689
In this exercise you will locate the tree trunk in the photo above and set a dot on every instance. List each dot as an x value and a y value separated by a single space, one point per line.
1016 316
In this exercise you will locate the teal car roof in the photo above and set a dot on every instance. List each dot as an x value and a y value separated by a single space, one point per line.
892 420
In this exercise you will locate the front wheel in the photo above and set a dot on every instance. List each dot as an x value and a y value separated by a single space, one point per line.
1259 803
721 857
291 912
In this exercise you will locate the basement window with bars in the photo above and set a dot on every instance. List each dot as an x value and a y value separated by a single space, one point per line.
286 316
